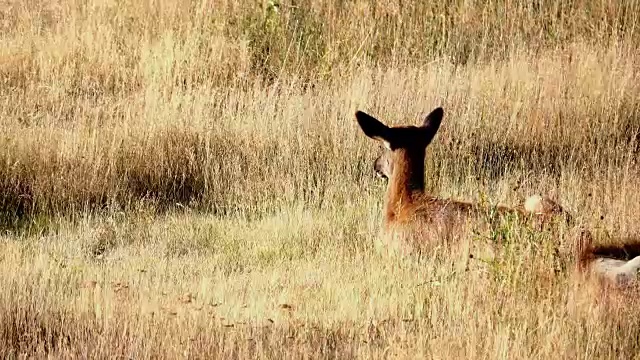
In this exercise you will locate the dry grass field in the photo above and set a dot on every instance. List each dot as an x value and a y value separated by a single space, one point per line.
186 179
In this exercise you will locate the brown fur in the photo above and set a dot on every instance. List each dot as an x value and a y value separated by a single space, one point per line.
414 218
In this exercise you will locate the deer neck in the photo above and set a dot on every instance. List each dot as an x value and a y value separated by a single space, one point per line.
406 182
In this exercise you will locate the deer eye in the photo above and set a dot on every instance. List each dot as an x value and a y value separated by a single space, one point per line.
381 175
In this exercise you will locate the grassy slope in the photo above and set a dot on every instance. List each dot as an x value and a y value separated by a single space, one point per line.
173 176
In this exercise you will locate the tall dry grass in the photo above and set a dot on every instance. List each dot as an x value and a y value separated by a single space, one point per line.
186 179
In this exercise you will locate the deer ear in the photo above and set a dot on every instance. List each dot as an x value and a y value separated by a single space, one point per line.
433 119
432 122
372 127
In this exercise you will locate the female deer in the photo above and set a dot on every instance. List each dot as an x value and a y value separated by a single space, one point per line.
414 218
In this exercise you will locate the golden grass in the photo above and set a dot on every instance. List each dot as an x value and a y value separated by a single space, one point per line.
187 179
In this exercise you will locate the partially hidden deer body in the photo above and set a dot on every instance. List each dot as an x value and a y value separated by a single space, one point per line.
414 219
616 264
